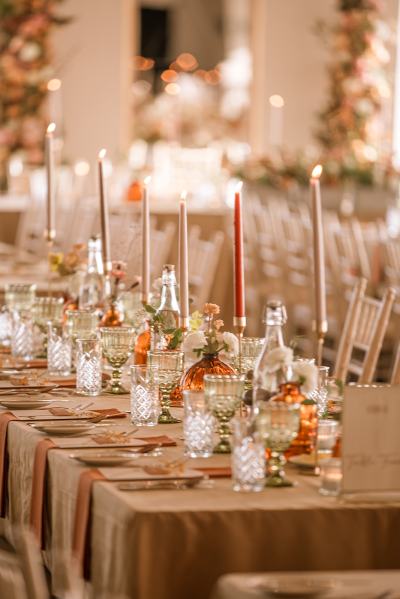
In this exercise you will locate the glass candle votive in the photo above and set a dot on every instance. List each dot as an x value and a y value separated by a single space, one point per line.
145 399
331 477
198 425
248 458
59 351
88 366
327 435
22 338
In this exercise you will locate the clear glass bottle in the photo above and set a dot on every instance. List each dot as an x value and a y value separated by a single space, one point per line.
91 293
265 385
168 309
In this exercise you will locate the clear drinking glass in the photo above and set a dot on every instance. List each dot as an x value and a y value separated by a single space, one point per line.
118 344
170 370
145 398
59 351
80 324
331 477
88 366
135 314
22 340
47 309
223 394
248 457
19 297
278 424
320 394
198 425
5 327
327 434
251 348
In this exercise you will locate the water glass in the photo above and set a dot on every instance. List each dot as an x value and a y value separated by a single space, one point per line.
80 324
327 435
88 366
248 457
198 425
223 394
331 477
118 344
19 297
47 309
320 394
5 327
135 314
59 351
170 370
278 424
145 400
251 348
22 338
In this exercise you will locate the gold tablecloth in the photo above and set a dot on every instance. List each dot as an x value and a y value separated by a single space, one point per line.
176 544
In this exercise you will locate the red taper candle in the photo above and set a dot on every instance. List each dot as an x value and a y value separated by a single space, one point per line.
239 306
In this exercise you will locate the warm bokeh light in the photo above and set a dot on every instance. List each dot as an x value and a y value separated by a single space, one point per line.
317 171
200 73
277 101
147 180
169 76
81 168
187 61
184 195
174 66
51 128
143 64
53 85
102 153
239 186
212 77
173 89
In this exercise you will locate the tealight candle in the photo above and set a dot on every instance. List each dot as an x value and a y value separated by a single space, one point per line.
327 434
331 477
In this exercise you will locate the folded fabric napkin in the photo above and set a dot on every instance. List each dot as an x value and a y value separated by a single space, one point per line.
109 412
107 438
5 419
216 471
38 496
82 520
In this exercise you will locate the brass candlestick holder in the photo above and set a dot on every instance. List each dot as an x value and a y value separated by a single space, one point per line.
239 323
50 236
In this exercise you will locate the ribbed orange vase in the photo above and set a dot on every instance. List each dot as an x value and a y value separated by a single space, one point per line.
193 379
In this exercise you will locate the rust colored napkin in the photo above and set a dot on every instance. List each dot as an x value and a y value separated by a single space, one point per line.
163 440
38 497
110 412
117 439
82 520
5 419
216 471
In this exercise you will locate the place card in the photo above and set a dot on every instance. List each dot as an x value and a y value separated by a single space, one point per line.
371 440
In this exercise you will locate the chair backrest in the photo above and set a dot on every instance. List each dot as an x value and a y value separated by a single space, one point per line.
203 259
395 378
364 329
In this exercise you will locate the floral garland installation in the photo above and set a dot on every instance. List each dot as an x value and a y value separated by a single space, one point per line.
25 69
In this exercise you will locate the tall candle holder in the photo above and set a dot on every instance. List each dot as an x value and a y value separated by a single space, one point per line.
321 328
239 323
50 237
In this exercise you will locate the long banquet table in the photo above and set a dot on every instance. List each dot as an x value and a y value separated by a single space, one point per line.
175 544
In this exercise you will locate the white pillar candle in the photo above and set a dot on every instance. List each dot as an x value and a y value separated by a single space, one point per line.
146 242
104 220
183 262
318 251
50 231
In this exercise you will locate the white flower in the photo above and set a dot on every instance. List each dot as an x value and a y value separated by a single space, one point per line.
307 374
232 343
196 340
278 359
29 51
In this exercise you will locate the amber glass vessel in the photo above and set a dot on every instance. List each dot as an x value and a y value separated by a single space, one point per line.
305 440
142 346
193 379
111 317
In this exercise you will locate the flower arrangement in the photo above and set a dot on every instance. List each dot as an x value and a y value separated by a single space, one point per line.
69 263
208 338
25 69
302 372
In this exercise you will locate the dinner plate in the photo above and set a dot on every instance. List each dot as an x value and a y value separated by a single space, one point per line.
25 403
39 386
98 458
296 587
307 460
64 427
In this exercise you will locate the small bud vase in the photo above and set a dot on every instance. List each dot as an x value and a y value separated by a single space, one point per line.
193 379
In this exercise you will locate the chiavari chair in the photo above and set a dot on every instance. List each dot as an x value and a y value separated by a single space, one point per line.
395 378
364 330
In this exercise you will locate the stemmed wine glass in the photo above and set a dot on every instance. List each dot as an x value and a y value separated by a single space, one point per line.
223 394
117 345
278 424
170 370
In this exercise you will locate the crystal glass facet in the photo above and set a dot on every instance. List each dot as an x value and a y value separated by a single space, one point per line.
88 366
223 394
198 425
118 344
145 399
80 324
22 338
320 394
170 368
278 424
59 351
248 457
5 327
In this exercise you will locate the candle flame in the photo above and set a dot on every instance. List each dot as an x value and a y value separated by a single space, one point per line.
51 128
102 153
147 180
317 171
239 187
184 195
277 101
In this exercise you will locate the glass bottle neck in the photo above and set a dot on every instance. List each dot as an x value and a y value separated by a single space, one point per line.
273 337
168 299
95 261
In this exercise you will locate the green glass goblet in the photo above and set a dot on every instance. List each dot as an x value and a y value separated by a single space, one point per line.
19 297
170 370
224 393
278 424
117 345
